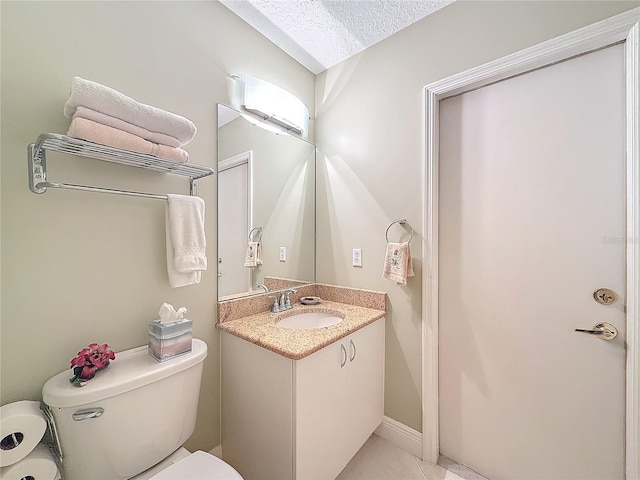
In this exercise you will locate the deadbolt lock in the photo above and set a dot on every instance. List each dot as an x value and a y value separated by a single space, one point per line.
605 296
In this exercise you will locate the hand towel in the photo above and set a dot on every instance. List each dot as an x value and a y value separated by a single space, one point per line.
397 263
114 122
253 258
105 135
186 240
106 100
176 278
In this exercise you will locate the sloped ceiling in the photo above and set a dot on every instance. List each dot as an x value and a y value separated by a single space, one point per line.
322 33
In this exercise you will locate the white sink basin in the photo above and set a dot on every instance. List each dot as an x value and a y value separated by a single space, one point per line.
309 320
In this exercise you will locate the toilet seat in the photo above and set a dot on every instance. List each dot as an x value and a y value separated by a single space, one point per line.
198 466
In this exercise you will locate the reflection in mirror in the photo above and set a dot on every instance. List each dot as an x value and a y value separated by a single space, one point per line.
266 207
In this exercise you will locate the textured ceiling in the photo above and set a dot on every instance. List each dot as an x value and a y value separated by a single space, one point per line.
321 33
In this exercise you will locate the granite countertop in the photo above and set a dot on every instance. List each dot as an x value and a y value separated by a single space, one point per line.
261 328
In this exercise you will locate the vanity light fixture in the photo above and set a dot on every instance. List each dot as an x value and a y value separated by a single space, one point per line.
270 103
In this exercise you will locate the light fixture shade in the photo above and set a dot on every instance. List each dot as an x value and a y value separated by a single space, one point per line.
271 103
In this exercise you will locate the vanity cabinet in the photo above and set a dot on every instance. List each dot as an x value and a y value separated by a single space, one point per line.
300 419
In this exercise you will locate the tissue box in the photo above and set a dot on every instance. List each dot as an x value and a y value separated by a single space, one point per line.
167 340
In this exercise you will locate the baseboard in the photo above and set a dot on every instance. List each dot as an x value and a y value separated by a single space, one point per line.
401 436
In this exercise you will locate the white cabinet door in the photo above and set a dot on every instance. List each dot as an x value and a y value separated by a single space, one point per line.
257 406
365 384
338 402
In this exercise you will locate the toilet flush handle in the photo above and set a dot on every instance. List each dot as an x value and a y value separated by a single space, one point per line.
86 413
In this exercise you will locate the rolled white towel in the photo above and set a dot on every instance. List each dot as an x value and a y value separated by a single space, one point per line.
111 102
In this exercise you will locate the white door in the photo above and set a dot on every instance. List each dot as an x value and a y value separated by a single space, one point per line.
233 237
531 223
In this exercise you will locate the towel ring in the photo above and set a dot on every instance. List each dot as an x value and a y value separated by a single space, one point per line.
400 221
259 229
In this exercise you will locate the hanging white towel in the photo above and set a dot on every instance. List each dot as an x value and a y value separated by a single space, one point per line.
186 240
253 258
397 263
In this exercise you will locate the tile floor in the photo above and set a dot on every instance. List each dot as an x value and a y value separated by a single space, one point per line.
379 459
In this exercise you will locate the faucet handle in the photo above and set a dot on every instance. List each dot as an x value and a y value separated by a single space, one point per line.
287 299
276 306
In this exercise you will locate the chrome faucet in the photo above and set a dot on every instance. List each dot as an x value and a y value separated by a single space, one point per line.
284 303
260 285
285 300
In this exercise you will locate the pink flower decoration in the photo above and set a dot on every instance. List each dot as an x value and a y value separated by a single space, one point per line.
90 360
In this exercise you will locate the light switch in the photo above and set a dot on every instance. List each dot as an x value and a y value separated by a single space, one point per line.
283 254
357 257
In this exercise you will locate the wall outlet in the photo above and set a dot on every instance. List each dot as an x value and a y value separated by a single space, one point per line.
283 254
357 257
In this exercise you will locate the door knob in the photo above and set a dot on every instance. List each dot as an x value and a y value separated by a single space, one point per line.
604 330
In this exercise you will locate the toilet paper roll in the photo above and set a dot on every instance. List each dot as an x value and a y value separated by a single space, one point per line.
22 426
38 465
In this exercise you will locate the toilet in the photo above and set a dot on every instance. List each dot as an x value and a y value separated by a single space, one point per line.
131 419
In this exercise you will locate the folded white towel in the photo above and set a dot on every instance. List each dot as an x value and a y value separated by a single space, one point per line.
108 120
186 240
111 102
397 263
253 258
98 133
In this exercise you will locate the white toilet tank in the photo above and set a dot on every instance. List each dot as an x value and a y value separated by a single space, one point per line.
129 417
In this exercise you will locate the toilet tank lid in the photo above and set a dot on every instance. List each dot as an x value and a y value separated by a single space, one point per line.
131 369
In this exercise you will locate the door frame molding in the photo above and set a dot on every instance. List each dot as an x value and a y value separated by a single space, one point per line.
237 160
622 28
226 164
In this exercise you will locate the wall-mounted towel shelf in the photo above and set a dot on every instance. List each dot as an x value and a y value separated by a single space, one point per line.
36 157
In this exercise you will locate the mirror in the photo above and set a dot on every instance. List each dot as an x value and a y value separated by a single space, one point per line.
266 195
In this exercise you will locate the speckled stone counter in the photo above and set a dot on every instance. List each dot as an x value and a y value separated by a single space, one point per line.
260 328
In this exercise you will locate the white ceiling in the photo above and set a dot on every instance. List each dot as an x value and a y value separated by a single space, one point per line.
322 33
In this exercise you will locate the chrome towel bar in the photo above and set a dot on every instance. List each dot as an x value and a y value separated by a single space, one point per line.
86 188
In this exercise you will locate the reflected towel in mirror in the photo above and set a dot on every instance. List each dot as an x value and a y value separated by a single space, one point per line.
253 258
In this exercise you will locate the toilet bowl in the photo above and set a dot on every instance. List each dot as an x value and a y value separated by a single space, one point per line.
131 420
183 465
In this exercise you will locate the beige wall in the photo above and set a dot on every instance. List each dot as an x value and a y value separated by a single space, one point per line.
369 137
80 267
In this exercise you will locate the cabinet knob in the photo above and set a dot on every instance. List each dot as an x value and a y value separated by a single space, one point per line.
353 350
344 355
